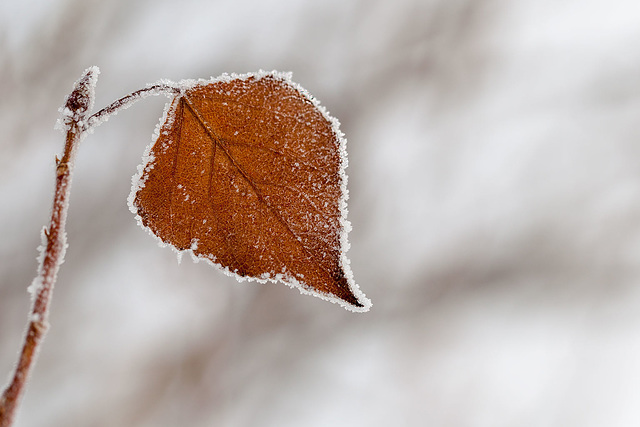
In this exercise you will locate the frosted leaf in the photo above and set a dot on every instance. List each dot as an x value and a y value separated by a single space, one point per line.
252 169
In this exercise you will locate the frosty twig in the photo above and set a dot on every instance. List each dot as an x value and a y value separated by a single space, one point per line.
75 121
78 104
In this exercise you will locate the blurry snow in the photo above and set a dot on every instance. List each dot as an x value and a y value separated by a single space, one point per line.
494 197
19 18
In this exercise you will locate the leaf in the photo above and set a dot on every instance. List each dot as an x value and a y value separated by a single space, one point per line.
247 172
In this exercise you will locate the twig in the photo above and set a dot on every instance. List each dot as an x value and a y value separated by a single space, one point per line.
77 106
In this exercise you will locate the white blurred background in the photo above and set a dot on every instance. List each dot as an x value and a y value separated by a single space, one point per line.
494 151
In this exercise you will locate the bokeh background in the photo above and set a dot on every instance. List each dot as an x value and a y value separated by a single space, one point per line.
494 164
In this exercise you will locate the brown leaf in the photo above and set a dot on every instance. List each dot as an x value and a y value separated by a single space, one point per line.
248 173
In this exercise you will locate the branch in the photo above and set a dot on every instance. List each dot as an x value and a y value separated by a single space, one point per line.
75 121
78 103
103 115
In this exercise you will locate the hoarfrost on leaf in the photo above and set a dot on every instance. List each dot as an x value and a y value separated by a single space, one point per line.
258 160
